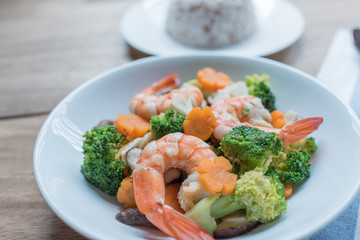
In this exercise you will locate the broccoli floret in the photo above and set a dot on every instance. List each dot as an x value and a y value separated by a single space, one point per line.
200 213
306 144
100 167
251 146
258 86
263 198
291 167
165 123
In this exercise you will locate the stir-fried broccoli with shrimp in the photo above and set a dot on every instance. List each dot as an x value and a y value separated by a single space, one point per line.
207 158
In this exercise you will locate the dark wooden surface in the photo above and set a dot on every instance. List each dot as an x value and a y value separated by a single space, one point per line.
49 47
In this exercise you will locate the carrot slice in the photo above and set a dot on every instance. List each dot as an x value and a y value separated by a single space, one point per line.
277 119
212 80
278 123
125 193
199 123
215 176
211 185
277 114
171 199
288 191
132 125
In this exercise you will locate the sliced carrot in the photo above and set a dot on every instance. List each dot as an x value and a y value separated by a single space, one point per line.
199 123
132 125
277 114
171 199
288 191
278 123
215 176
212 80
211 185
125 193
277 119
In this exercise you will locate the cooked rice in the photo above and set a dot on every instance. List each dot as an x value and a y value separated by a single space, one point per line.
210 23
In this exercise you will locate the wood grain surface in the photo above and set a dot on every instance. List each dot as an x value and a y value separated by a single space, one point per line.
49 47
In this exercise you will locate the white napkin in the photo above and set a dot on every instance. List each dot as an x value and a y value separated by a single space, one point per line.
340 71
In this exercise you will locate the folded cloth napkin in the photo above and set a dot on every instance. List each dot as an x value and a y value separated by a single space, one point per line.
340 72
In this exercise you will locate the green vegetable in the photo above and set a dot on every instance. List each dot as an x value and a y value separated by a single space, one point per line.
306 144
100 167
258 86
226 205
165 123
246 111
292 165
261 196
251 146
200 213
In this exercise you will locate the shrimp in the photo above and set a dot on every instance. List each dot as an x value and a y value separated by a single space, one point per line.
153 100
237 89
231 113
174 150
296 131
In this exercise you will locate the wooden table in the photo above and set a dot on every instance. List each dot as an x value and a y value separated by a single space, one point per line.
49 47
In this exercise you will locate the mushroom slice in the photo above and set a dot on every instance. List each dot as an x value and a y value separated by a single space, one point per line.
132 216
132 156
234 225
122 151
145 140
137 145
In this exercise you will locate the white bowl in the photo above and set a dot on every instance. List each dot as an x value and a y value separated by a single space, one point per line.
334 179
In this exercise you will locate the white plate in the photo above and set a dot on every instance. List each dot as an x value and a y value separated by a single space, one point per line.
334 177
280 24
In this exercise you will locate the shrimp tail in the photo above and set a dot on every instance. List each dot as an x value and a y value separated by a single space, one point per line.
176 224
149 191
298 130
166 84
183 227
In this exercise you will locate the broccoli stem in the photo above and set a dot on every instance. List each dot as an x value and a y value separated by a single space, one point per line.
200 213
224 206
